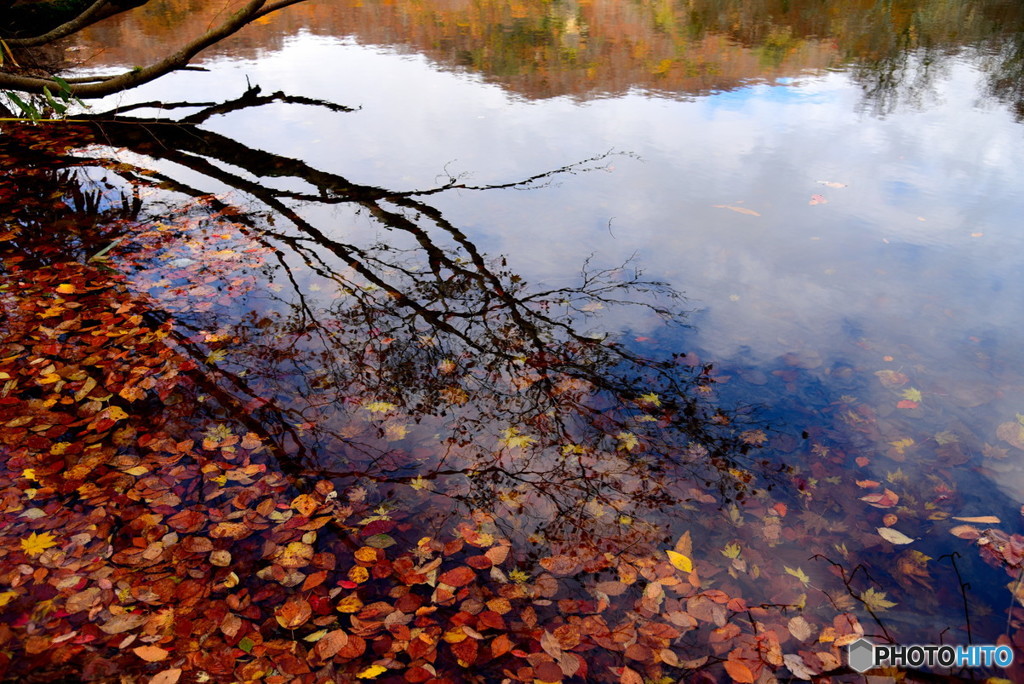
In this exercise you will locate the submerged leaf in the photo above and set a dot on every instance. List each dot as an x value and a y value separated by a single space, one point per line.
894 536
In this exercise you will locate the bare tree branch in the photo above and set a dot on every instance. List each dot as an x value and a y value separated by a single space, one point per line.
178 60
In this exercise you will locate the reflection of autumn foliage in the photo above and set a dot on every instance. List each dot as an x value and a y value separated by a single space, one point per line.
545 49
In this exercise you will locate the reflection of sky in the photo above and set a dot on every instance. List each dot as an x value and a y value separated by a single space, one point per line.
917 255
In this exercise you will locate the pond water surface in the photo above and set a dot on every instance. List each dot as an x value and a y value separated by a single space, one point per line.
835 188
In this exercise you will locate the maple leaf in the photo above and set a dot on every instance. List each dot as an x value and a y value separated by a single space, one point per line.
732 550
799 574
911 394
419 484
900 445
627 441
35 544
876 601
512 438
650 398
518 576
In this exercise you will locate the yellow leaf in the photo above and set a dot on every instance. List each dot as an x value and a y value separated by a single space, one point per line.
875 600
900 445
66 288
650 398
680 561
379 406
799 574
372 672
116 413
35 544
912 394
511 438
6 596
627 441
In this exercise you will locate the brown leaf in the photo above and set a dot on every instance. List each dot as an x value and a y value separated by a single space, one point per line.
550 644
560 565
968 532
330 644
122 623
800 628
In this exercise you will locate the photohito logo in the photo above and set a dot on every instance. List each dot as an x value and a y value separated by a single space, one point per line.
862 655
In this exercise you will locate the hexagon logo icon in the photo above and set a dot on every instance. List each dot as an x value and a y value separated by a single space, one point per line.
861 655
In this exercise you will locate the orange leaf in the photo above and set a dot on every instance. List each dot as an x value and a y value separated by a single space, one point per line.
500 646
294 613
739 672
152 654
459 577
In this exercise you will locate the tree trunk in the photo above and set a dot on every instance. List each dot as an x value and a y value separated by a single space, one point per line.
23 18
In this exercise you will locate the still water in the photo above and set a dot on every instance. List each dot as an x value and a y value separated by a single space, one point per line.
836 189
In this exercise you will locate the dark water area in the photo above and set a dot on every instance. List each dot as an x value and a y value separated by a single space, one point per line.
606 271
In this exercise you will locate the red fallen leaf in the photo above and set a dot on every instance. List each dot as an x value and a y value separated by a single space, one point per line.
862 461
465 651
781 509
907 404
459 577
378 527
479 562
739 672
294 613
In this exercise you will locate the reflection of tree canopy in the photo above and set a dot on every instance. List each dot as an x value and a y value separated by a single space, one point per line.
417 360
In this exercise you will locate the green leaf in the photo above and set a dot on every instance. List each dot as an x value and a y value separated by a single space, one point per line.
246 644
30 111
57 106
380 541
